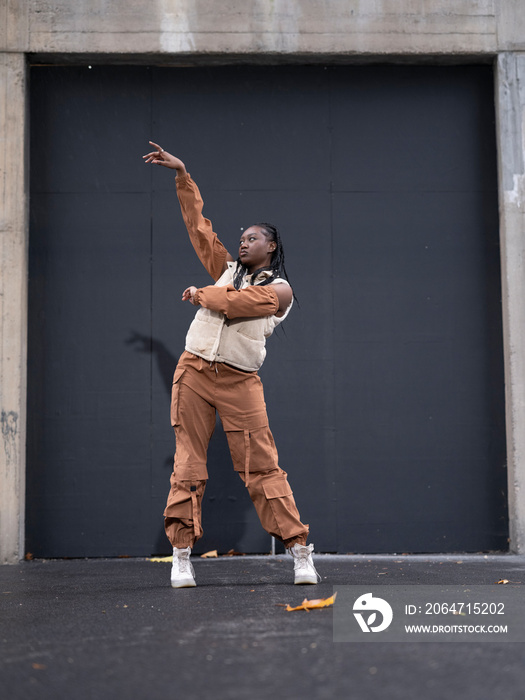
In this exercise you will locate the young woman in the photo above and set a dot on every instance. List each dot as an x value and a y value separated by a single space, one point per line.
225 346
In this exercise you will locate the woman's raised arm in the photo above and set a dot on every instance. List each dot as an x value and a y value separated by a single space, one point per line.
208 247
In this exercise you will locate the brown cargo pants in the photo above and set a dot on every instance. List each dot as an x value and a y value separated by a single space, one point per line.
200 389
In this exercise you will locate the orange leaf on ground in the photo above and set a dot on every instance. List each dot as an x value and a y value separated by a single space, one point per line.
233 553
210 554
503 580
314 604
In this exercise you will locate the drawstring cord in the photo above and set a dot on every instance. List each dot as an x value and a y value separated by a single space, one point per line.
246 457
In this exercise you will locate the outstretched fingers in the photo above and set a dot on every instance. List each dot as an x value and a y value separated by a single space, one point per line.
154 156
162 157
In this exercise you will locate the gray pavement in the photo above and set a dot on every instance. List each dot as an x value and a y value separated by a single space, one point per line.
111 628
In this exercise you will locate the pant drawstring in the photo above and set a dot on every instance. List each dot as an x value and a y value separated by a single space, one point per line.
246 457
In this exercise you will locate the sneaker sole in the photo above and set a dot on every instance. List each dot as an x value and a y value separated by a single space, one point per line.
301 581
185 583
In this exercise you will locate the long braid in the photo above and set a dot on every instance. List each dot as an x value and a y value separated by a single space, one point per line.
276 267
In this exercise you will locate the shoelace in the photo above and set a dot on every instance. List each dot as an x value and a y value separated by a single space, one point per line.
302 560
301 556
185 565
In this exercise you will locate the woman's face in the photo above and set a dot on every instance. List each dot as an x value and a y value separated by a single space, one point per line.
255 249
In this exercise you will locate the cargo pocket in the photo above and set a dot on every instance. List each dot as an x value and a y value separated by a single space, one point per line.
278 489
251 443
280 498
175 389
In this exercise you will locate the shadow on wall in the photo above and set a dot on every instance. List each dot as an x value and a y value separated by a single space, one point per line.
226 507
166 362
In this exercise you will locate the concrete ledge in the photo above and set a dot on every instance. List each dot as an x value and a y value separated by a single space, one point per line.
359 27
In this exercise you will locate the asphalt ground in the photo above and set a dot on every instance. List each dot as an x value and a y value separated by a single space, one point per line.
114 628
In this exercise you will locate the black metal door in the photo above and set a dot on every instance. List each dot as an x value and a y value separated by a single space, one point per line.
385 390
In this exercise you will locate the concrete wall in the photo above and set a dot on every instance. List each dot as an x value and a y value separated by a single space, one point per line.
305 27
13 301
174 31
510 103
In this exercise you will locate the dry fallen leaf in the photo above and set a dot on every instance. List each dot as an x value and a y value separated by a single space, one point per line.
233 553
210 554
162 559
39 667
503 580
313 604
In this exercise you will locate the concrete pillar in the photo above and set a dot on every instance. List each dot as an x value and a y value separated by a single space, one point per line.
13 302
510 102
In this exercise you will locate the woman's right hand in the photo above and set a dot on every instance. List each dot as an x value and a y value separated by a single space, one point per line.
162 157
189 295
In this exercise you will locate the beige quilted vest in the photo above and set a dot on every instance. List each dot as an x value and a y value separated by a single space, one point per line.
239 342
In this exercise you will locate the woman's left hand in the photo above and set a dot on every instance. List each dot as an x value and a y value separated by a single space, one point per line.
189 295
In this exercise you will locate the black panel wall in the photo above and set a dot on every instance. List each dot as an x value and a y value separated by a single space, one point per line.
384 388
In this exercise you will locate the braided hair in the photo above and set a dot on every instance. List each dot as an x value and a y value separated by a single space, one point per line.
276 266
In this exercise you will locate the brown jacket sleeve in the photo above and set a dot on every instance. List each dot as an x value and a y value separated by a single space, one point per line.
250 302
210 250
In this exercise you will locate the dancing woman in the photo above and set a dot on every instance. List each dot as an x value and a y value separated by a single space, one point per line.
225 346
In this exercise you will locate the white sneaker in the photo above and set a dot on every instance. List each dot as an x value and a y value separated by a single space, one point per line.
304 569
182 573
